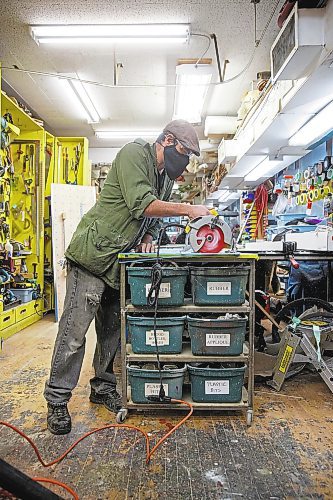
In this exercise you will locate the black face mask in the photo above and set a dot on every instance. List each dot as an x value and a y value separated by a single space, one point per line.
174 162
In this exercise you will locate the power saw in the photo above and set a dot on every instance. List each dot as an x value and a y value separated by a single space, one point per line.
208 234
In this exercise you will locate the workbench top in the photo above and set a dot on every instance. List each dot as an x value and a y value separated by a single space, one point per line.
187 256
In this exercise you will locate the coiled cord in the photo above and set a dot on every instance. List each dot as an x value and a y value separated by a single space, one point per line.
152 301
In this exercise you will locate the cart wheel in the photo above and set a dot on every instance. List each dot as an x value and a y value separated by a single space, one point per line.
249 418
121 415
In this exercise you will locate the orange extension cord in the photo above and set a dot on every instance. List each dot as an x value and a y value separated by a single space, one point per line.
149 452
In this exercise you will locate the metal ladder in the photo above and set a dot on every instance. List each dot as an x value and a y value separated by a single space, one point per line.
293 339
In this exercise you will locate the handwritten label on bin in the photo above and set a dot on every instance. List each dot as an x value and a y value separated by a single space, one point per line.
219 288
154 389
165 291
163 338
218 339
216 386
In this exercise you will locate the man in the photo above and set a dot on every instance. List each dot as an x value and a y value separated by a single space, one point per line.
134 196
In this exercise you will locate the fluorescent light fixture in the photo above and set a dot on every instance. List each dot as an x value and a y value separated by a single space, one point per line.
106 33
192 83
316 128
224 196
126 134
80 99
85 101
229 195
245 164
263 170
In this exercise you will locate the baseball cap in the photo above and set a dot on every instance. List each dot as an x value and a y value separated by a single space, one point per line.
185 133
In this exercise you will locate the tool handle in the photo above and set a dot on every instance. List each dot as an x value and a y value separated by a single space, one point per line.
293 262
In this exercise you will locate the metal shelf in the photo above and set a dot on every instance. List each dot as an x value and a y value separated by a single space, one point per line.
199 406
190 307
187 356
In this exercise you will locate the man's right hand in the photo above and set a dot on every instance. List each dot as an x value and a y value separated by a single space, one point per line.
195 211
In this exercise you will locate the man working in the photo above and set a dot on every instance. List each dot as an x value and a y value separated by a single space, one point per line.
134 196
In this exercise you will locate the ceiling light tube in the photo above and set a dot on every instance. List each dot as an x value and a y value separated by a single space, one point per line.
126 134
263 170
79 99
315 129
229 195
82 95
224 196
106 33
192 84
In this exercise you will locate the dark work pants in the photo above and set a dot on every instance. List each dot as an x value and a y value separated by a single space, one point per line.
87 298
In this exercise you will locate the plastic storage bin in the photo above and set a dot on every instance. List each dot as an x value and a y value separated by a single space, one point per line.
216 385
24 294
219 337
169 333
172 286
219 285
283 218
146 383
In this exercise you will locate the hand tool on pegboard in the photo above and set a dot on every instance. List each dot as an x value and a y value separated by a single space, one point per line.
26 158
38 198
48 158
65 160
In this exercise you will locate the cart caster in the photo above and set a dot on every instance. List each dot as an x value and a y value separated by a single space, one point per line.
121 415
249 418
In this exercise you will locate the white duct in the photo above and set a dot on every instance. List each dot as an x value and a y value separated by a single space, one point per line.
220 125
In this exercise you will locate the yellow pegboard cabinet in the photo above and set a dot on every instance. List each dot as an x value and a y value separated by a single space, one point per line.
72 164
24 215
66 162
39 159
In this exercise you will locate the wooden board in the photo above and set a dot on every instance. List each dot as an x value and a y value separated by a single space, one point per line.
68 205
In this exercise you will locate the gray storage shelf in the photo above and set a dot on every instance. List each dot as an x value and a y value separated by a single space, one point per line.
186 356
189 307
243 403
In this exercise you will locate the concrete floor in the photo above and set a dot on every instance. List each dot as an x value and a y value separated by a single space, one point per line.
287 454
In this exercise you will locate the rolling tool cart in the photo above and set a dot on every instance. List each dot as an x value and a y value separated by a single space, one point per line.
208 367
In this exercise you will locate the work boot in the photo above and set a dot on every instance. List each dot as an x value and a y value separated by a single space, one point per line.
58 419
111 399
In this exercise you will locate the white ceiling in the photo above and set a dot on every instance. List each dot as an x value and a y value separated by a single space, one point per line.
136 108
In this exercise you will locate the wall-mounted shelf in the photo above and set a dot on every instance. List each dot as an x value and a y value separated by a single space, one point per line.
282 110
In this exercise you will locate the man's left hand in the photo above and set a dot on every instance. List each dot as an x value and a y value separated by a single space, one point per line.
146 245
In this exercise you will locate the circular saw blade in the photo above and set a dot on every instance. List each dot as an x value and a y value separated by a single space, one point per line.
210 240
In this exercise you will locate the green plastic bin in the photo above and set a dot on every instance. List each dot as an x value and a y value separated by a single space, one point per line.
219 285
146 383
169 332
216 385
217 336
172 286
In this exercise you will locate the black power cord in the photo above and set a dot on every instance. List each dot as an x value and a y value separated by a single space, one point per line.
152 300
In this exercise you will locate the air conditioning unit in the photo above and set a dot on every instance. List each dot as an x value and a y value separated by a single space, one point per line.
298 45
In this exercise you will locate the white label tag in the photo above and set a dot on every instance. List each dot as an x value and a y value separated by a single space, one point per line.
217 339
217 387
219 288
165 291
154 389
162 338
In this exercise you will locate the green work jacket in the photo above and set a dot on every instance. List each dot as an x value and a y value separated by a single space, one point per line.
117 223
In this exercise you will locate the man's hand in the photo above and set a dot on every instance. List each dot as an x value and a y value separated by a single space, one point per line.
146 245
195 211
